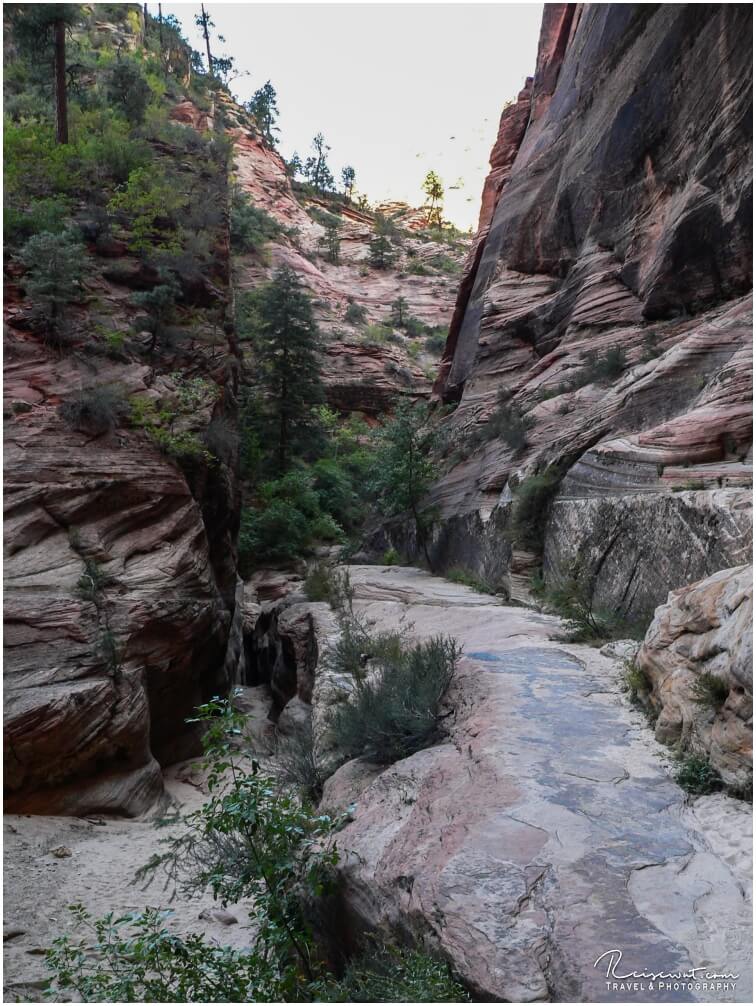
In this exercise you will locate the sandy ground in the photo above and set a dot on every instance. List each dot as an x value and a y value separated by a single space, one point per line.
53 862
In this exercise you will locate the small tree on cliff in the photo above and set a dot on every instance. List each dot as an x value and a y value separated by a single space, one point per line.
287 344
348 178
434 192
316 168
263 108
403 469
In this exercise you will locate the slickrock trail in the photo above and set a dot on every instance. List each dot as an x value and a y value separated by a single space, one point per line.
546 829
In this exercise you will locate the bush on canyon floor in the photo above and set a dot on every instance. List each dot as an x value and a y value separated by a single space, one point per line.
297 763
395 706
396 974
251 842
327 583
696 775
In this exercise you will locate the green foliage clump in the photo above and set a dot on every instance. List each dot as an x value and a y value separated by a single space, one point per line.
435 341
128 90
325 583
55 266
150 205
395 709
396 974
391 557
599 368
355 313
696 775
710 690
531 499
636 683
403 469
251 227
95 410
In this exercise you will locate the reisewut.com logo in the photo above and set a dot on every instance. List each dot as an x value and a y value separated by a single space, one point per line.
702 979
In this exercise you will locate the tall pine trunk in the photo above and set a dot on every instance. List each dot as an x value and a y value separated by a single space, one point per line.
205 19
61 96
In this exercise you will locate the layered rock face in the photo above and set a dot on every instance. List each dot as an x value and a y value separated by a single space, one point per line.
119 594
606 297
706 629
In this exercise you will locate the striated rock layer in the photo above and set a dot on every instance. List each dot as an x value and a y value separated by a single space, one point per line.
706 629
607 296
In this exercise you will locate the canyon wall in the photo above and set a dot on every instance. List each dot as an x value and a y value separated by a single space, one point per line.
606 302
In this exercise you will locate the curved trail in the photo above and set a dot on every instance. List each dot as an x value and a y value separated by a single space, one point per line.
543 832
547 830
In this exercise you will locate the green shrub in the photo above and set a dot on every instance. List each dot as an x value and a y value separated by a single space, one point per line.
416 268
92 581
697 775
597 368
391 557
55 267
436 342
297 763
710 690
355 313
445 264
396 974
95 410
636 682
251 227
49 214
279 532
325 583
394 710
150 206
377 334
530 505
128 89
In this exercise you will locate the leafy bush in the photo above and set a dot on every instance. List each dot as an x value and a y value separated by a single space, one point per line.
279 533
530 503
150 206
136 958
600 368
395 709
710 690
95 410
417 268
697 775
378 334
49 214
391 557
92 581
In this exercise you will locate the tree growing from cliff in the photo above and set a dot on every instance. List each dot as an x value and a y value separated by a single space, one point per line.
381 247
403 469
434 198
128 89
348 178
287 349
316 169
263 108
399 314
55 267
331 241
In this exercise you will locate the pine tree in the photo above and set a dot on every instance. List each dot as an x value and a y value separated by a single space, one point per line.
403 468
263 108
287 343
55 266
40 30
316 168
399 312
331 242
348 178
434 191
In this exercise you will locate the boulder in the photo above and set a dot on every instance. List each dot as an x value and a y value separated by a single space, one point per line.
705 629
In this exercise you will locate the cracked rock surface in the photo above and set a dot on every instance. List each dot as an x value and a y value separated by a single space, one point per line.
545 829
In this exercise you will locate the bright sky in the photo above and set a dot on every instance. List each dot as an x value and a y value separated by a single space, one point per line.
396 88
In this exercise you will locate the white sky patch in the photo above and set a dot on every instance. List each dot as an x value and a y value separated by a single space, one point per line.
397 89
